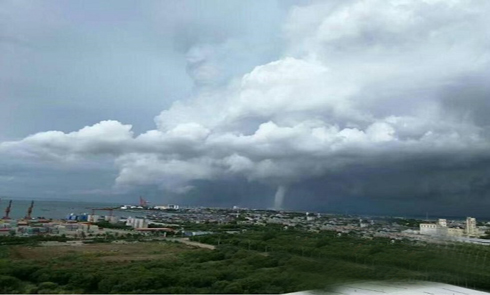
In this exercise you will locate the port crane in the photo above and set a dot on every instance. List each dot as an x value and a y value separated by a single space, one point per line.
143 202
29 211
7 210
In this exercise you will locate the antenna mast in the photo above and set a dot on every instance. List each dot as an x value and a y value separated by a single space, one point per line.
29 210
7 210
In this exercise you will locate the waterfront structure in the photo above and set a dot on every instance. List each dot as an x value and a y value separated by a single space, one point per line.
166 207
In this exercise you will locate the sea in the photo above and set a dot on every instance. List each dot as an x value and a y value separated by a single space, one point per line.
59 209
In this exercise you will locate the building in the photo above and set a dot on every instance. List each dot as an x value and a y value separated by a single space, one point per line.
197 233
393 287
432 229
167 207
4 231
162 231
440 228
310 216
471 229
137 222
455 232
93 218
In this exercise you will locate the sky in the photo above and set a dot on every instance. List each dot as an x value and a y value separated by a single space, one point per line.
367 106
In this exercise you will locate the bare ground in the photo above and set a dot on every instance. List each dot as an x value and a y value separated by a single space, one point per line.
186 241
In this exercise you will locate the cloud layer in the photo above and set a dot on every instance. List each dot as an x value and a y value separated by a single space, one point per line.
362 86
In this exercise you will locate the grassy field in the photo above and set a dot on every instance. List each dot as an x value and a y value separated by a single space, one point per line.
104 252
257 261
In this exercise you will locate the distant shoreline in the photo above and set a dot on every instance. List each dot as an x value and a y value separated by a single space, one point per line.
117 204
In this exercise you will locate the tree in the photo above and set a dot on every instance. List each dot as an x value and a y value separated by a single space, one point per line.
322 242
269 236
10 284
233 288
47 288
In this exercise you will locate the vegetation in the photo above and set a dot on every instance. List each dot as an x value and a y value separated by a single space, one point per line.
414 223
213 227
266 260
348 257
32 240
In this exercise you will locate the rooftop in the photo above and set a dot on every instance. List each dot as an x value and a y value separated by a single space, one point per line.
395 288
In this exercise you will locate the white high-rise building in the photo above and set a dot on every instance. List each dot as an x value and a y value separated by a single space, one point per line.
137 222
471 229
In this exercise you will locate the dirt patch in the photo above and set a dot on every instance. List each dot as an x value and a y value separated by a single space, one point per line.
194 244
105 252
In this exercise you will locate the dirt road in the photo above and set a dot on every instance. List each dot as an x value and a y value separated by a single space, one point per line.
191 243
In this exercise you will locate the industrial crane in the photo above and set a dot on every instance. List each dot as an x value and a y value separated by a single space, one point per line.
7 210
29 211
143 202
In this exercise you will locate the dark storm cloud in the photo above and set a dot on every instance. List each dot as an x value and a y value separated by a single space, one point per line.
469 100
399 190
54 181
